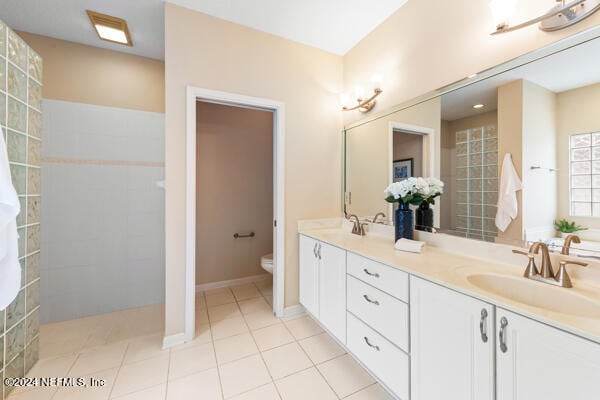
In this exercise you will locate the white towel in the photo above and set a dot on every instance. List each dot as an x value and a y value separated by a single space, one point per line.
10 269
510 184
412 246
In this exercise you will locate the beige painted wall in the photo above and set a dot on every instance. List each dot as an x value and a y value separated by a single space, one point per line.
510 140
242 60
234 191
408 145
577 112
84 74
423 47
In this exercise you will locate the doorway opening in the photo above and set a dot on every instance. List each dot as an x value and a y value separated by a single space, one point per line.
234 195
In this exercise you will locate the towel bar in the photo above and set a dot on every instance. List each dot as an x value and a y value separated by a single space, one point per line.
239 235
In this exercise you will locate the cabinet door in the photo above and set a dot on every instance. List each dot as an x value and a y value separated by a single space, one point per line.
538 362
309 275
332 290
450 356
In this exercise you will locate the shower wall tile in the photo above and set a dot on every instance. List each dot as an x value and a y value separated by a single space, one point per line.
20 92
95 266
34 127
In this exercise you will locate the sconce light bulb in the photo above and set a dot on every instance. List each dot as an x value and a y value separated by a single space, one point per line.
503 11
345 100
376 80
359 93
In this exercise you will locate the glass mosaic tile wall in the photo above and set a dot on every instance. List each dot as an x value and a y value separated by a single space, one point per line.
477 182
20 118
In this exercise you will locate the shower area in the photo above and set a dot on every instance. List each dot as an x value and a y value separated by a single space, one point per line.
20 119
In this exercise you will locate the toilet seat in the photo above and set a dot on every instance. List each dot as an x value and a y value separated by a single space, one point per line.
266 262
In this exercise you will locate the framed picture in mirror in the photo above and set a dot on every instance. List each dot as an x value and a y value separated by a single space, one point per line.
402 169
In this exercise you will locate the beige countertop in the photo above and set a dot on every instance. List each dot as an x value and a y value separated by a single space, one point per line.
452 271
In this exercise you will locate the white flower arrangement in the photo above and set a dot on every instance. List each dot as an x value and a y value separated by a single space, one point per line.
414 191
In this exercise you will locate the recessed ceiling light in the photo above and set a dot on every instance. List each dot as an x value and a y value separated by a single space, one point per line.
111 29
476 106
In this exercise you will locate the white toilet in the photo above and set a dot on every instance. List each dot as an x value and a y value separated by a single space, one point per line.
266 262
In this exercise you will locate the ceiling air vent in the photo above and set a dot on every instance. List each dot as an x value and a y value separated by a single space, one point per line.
111 29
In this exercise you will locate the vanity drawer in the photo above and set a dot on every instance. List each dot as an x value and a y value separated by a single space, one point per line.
389 364
390 280
384 313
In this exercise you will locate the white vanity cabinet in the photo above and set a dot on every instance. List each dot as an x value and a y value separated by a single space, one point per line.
452 344
323 284
535 361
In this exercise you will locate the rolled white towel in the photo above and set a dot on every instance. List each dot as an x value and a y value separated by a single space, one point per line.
413 246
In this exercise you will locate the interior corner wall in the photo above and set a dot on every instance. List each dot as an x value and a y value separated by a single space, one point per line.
422 47
210 53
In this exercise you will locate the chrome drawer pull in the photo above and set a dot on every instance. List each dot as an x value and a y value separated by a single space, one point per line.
503 325
371 345
375 274
370 301
483 325
315 250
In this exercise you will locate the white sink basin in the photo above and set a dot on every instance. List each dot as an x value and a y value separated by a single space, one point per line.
537 294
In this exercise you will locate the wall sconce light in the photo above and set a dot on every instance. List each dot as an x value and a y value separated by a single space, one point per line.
562 15
360 103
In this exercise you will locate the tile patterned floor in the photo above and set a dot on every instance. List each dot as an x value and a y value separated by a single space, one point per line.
241 352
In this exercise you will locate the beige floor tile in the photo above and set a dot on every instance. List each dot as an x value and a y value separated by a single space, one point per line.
200 300
303 327
203 336
89 393
203 385
235 347
254 305
228 327
245 292
268 291
272 336
220 298
321 348
286 360
188 361
267 392
307 384
218 291
218 313
144 348
261 319
264 284
242 375
57 366
154 393
345 375
201 316
99 359
141 375
37 393
373 392
269 299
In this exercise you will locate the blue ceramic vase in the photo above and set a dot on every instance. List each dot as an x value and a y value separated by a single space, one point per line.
404 222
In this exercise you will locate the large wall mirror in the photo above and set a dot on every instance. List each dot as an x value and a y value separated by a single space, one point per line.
544 113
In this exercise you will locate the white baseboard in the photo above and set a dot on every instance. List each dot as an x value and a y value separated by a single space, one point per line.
293 311
173 340
233 282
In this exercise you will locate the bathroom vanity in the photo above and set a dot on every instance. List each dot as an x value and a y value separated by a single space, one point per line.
440 325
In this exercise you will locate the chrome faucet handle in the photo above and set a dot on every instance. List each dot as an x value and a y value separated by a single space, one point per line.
562 277
377 215
356 227
531 269
566 248
363 231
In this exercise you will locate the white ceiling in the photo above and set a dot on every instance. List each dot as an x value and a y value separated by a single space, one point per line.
332 25
569 69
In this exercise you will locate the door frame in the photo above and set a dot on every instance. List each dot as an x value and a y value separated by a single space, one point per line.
193 95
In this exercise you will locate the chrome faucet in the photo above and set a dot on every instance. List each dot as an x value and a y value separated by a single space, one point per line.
358 228
567 244
546 273
379 214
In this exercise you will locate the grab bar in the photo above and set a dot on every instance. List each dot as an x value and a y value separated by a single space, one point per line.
240 236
